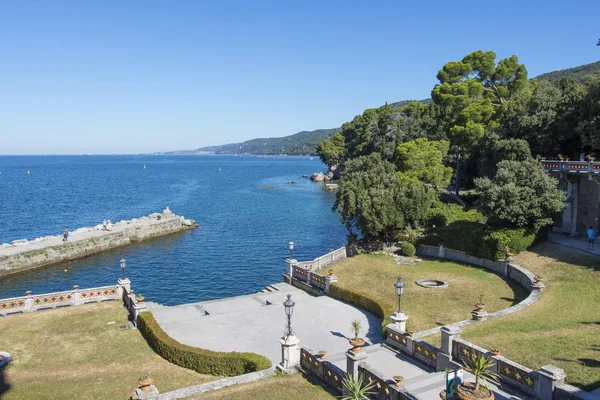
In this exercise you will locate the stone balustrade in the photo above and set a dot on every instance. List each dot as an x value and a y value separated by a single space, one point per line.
572 167
454 352
75 297
306 272
333 376
324 261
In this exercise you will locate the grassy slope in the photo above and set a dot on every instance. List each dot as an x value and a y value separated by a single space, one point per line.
375 275
71 353
563 327
288 387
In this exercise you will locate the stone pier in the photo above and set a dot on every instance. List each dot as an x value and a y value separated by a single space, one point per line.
21 255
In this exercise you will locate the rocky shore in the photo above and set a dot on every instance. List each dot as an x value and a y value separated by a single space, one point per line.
21 255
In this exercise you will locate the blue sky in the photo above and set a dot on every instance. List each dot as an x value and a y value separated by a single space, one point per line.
141 76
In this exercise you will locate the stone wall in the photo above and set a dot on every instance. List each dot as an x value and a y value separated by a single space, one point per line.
23 255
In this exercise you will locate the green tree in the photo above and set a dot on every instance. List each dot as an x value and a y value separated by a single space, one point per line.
331 151
549 118
372 199
423 160
476 93
589 124
520 194
495 151
377 130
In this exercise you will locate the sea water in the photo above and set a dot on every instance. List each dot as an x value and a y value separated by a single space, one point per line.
247 208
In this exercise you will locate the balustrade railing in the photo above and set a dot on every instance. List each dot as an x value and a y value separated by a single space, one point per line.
75 297
572 167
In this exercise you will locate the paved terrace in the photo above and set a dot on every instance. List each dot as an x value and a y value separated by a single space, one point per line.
247 323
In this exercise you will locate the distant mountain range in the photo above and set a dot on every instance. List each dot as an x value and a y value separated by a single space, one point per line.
305 142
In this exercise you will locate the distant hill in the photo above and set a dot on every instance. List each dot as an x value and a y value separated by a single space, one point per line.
576 73
305 142
301 143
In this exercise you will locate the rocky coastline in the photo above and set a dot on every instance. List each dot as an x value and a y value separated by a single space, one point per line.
21 255
332 174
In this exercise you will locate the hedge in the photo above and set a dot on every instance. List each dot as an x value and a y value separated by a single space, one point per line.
361 300
481 240
199 360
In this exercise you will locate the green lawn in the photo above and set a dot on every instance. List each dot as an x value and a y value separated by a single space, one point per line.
374 275
72 353
286 387
563 327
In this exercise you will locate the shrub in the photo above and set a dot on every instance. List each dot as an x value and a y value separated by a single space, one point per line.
481 240
407 249
445 214
199 360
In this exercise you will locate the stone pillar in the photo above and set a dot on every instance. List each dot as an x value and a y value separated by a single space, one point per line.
138 308
76 296
290 354
289 271
449 334
28 301
549 377
150 394
479 315
124 286
329 279
442 251
569 215
353 360
399 320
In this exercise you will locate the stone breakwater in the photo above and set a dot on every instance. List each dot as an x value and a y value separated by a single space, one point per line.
22 255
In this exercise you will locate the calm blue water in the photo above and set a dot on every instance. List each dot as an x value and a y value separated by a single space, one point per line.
239 248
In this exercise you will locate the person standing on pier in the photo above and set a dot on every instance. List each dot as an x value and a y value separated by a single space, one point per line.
104 227
66 234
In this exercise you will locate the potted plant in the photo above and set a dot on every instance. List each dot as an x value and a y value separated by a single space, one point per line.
481 367
561 157
140 298
355 389
495 352
356 342
145 381
480 306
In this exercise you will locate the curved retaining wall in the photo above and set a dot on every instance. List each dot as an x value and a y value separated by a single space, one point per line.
23 255
515 272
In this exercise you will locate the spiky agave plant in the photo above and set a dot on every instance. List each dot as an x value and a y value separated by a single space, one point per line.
356 328
356 389
481 367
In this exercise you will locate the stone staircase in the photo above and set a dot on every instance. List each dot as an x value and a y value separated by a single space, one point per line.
271 289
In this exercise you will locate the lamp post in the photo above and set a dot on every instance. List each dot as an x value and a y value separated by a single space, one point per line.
123 262
291 247
399 285
289 310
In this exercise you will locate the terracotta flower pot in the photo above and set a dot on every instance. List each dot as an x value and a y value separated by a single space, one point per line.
145 384
357 344
465 392
322 353
140 298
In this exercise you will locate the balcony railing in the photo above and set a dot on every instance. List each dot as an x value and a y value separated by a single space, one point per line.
572 167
